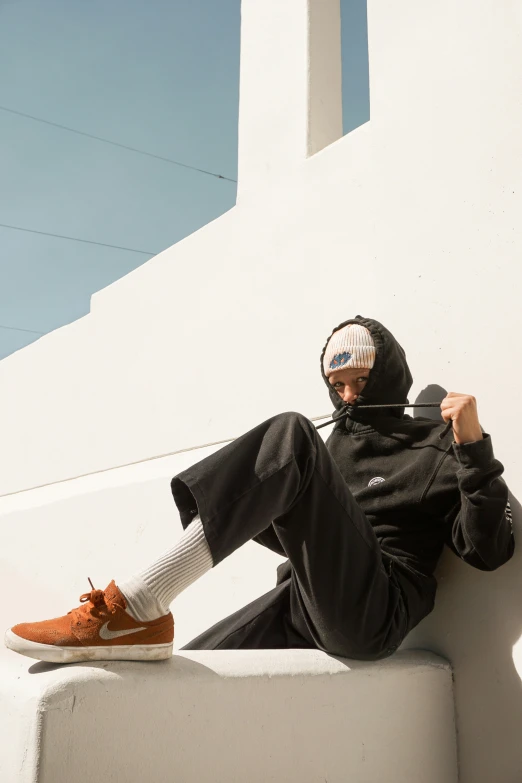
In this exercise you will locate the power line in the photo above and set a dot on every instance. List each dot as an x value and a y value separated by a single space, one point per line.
17 329
116 144
77 239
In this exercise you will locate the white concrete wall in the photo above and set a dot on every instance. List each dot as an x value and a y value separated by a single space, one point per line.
240 716
413 219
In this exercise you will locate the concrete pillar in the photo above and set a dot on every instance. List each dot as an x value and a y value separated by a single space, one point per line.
290 103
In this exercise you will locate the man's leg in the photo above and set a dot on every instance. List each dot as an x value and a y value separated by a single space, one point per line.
276 479
280 474
264 624
261 625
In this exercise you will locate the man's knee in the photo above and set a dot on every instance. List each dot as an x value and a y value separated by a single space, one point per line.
293 419
300 429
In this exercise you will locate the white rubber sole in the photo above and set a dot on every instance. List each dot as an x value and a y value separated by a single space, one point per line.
120 652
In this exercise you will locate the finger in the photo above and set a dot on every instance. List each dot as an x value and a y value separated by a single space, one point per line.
448 405
456 395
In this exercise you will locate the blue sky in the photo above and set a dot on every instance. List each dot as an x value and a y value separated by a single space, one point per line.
161 76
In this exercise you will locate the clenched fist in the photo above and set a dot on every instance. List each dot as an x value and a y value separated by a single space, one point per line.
461 409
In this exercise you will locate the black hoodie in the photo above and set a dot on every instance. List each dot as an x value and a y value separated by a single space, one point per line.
418 491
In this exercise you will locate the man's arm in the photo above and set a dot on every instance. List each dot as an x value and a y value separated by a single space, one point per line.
481 532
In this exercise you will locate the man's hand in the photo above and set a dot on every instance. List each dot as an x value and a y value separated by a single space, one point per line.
461 409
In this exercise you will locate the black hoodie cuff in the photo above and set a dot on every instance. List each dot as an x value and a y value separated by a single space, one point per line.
478 454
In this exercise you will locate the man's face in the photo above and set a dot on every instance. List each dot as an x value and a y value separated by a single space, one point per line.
349 383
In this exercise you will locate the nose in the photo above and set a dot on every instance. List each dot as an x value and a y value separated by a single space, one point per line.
349 395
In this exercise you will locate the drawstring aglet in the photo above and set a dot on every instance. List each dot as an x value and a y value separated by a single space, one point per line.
446 429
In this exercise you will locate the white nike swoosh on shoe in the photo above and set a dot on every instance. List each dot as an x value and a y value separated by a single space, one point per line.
107 635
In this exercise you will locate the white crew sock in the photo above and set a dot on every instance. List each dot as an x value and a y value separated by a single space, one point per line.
150 593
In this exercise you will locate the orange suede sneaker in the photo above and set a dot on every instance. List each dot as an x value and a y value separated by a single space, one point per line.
100 630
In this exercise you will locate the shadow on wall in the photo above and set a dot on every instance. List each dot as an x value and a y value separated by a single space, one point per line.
476 625
432 393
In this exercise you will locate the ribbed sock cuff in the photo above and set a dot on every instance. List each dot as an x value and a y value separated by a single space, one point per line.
150 593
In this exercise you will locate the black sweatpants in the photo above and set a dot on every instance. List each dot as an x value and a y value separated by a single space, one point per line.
278 485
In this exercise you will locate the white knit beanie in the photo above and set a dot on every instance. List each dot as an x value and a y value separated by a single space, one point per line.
351 346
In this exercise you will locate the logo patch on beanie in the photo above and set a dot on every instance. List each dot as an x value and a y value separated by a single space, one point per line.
340 359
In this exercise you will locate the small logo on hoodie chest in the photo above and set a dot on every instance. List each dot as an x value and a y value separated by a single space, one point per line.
376 480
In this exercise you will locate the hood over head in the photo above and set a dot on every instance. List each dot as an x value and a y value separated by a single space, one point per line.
389 380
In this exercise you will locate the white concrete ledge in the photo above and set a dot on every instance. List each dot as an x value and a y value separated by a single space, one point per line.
245 716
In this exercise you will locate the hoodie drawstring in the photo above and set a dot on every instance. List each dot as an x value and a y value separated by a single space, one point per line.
334 419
